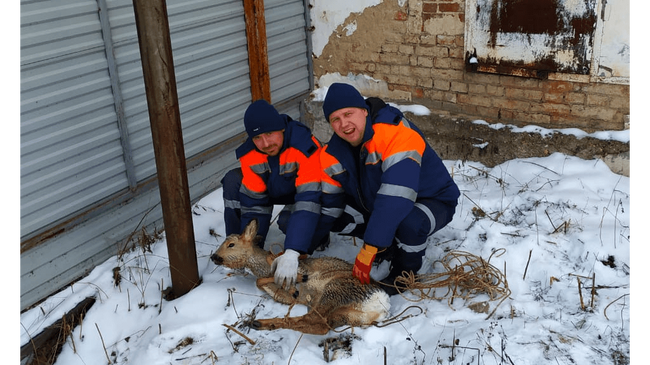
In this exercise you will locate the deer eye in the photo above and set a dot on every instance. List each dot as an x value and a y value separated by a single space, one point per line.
231 245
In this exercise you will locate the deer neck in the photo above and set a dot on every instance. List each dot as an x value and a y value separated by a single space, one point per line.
260 263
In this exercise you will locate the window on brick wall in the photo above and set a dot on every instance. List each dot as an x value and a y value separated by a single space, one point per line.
586 39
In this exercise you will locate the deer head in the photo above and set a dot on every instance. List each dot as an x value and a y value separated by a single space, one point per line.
240 250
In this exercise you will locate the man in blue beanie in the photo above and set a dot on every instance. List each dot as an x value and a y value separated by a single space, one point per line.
279 166
381 182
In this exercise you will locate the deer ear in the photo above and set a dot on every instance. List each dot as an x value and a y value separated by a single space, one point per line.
251 230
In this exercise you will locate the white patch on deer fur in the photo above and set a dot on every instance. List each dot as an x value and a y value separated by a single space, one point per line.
378 302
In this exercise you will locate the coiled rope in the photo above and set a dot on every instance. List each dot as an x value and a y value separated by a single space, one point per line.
463 275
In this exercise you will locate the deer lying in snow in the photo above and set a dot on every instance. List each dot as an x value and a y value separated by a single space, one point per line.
325 285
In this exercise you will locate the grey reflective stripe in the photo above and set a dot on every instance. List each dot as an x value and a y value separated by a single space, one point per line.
257 209
399 157
407 248
332 212
429 215
250 193
398 191
348 229
307 207
288 167
358 217
331 189
335 169
233 204
373 158
260 168
314 186
406 122
288 208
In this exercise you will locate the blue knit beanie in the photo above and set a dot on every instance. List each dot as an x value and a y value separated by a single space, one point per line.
341 96
261 117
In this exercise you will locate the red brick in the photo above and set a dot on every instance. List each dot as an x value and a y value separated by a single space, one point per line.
429 7
557 87
449 8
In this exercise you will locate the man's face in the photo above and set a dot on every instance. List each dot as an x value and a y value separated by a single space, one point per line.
269 142
349 124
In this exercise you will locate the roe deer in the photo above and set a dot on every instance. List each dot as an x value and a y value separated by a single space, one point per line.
325 285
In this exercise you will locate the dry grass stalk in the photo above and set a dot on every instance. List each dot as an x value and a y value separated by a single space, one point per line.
614 301
530 253
239 333
582 303
103 344
294 348
593 290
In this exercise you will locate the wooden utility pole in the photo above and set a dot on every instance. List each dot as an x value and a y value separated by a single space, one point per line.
258 59
164 116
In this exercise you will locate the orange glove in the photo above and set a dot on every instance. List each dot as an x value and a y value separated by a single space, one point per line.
363 263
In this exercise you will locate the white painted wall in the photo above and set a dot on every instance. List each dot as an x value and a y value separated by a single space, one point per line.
614 44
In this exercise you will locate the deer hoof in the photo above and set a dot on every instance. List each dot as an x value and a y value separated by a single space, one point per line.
266 325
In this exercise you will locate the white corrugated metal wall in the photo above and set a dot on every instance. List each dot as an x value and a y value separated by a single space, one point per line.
70 145
87 161
289 69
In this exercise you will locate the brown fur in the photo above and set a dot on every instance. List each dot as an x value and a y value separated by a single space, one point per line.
325 285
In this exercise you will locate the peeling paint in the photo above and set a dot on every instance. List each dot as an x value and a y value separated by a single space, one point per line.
350 28
539 36
327 16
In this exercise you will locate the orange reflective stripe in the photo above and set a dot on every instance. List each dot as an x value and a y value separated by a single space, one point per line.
309 170
326 162
251 180
308 167
390 140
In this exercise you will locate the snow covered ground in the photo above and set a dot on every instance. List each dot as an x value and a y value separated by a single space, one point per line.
555 226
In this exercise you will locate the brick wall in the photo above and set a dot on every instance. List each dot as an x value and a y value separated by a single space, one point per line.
418 50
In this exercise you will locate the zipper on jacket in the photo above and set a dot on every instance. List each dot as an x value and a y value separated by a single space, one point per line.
360 170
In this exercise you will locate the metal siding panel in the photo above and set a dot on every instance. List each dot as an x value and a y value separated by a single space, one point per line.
211 64
211 69
71 25
134 101
69 135
287 49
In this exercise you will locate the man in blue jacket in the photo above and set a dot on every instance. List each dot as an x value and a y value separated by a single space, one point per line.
279 166
380 164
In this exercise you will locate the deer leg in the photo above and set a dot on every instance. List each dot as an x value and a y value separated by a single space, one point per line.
271 279
310 323
278 294
264 281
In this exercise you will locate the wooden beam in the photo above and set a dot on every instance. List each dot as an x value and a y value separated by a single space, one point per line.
45 347
258 60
